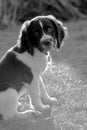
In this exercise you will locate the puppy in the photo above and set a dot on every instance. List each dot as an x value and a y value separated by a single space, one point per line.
22 66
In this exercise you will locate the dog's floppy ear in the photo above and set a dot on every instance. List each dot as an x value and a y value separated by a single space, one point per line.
23 39
61 31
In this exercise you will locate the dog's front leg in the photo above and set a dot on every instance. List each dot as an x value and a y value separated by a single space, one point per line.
34 92
44 95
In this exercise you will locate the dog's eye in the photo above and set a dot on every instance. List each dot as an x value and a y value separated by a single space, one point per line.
50 30
36 34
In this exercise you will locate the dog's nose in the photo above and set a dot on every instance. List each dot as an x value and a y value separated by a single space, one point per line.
46 43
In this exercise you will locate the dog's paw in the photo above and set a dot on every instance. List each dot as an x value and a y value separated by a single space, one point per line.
52 101
36 115
31 115
45 107
49 100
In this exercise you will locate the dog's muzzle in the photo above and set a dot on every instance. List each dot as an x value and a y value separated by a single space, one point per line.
48 44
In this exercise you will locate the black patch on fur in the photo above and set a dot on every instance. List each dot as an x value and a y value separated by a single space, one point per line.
13 73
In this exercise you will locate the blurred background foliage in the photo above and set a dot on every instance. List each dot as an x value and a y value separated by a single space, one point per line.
17 11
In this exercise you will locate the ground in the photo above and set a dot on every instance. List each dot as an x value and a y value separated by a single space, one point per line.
72 62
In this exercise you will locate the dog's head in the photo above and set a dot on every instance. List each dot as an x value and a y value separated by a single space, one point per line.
43 33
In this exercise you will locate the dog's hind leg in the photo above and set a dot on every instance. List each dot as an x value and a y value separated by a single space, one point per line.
8 103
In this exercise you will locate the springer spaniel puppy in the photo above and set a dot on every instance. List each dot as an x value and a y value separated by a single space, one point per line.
22 65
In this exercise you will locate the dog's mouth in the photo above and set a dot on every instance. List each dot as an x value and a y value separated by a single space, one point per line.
47 46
